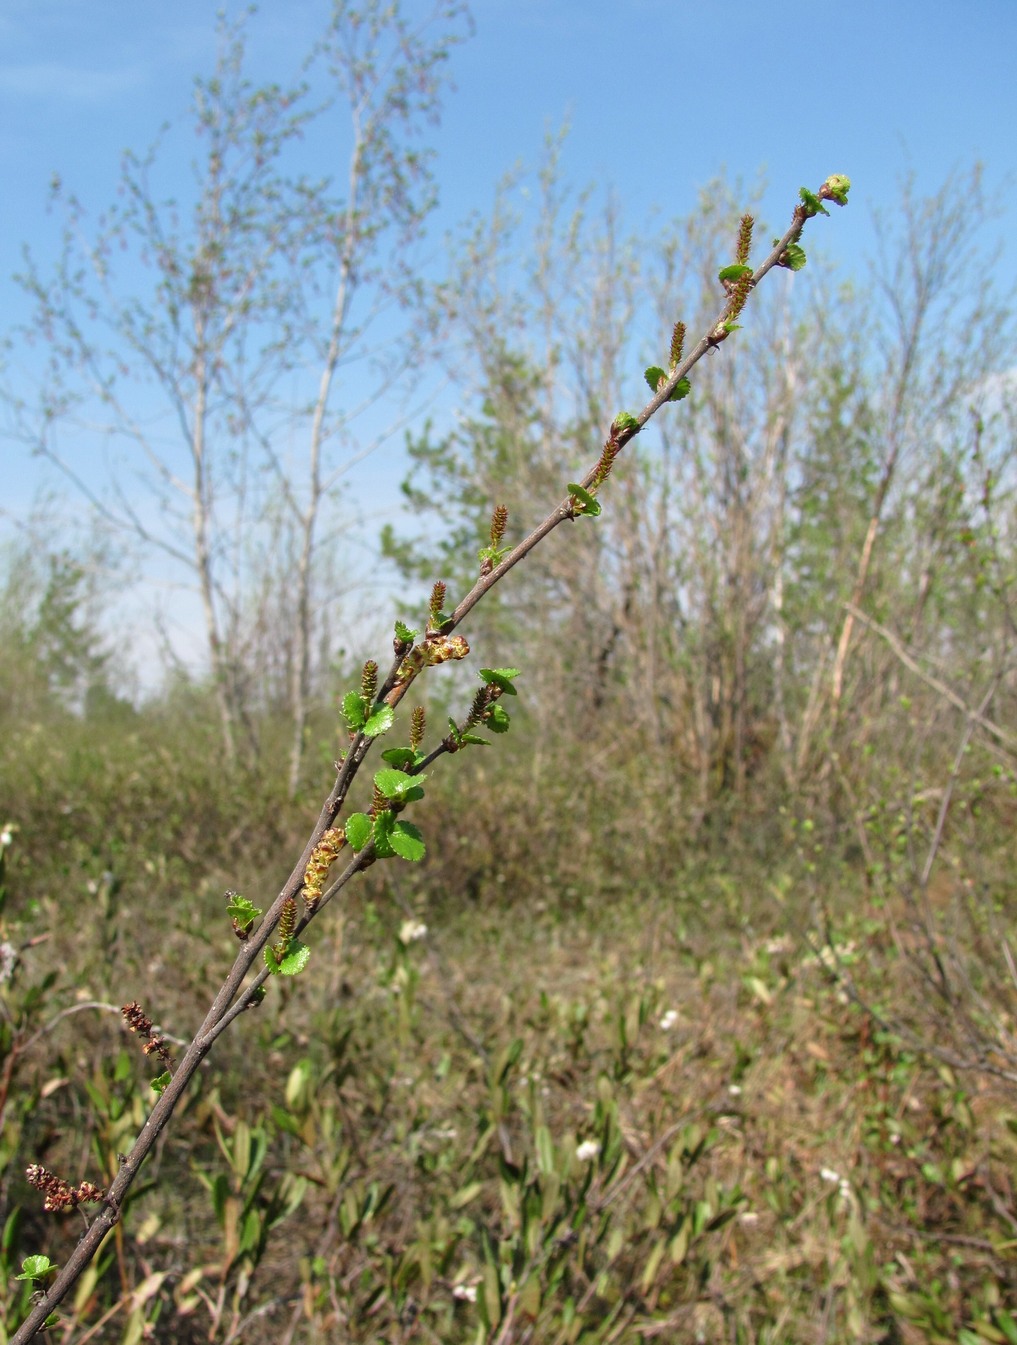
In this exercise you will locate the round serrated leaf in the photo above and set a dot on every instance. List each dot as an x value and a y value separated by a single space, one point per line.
794 257
354 711
399 757
358 830
241 910
294 960
588 504
681 389
498 720
397 784
734 272
383 824
654 377
34 1267
501 677
379 722
407 841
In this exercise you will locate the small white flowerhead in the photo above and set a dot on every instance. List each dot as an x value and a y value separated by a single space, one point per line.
669 1020
6 837
735 1090
587 1151
8 961
412 931
828 1175
466 1293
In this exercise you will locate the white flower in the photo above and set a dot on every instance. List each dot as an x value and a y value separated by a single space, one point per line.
411 931
828 1175
735 1090
748 1217
6 837
8 961
466 1293
587 1151
669 1020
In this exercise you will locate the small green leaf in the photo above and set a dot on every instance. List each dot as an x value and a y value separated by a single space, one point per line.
383 824
473 740
294 960
400 757
160 1083
734 272
586 502
732 326
354 709
358 830
794 257
404 634
379 722
624 421
35 1267
501 677
497 719
406 840
681 389
241 910
399 786
494 554
813 205
838 185
654 377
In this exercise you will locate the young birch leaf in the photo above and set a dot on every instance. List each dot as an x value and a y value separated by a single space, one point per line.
399 785
624 420
34 1267
354 710
160 1083
589 506
358 830
241 910
380 722
400 757
294 960
654 377
794 257
501 677
383 824
734 272
497 720
407 841
681 389
813 205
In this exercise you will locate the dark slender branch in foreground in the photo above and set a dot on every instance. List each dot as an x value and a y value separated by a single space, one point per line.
234 997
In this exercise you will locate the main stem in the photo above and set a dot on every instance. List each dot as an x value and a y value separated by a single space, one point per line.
205 1037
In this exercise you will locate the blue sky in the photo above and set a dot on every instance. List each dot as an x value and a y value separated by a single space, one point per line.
660 98
660 95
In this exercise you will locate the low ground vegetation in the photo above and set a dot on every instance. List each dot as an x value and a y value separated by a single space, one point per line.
594 1098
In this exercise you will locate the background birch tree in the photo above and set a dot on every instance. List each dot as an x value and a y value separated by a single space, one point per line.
223 346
